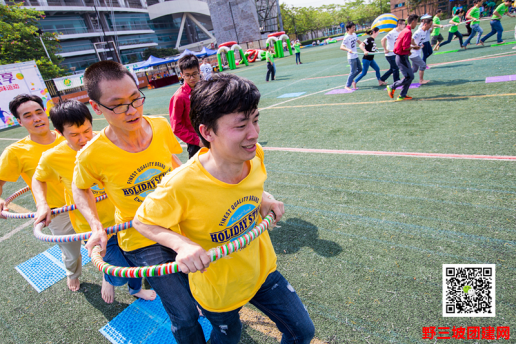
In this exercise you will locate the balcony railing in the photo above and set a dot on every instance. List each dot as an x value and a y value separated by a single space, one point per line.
135 41
130 27
79 47
65 3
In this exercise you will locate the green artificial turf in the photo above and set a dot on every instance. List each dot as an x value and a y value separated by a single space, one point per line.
363 238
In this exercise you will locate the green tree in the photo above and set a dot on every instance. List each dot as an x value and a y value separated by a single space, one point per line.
159 52
19 41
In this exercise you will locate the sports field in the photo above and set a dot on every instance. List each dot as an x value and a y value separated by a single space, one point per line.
365 234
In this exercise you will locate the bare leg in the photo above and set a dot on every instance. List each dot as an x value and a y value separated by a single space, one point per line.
107 291
422 81
73 284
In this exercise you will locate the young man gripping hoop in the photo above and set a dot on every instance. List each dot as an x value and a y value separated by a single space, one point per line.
218 196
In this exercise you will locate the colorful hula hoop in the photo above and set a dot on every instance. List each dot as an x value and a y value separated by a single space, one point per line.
170 268
76 237
55 211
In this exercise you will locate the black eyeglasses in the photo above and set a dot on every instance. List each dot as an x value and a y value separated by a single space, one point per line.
123 108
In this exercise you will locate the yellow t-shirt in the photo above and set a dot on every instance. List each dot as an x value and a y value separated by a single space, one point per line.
21 158
127 177
209 212
56 165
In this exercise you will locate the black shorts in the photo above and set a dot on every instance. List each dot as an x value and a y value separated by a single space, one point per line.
439 38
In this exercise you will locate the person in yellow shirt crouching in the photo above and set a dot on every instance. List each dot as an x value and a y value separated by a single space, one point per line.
21 159
72 119
218 196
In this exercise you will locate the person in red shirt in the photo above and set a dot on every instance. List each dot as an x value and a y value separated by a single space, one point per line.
402 49
179 108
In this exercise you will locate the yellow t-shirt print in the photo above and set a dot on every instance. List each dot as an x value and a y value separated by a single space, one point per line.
127 178
193 203
57 165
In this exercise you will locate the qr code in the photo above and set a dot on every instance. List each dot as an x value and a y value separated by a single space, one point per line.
469 290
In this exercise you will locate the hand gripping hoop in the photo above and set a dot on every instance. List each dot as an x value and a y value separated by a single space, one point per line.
170 268
55 211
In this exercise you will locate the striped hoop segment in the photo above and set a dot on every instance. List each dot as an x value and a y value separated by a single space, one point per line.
55 211
76 237
170 268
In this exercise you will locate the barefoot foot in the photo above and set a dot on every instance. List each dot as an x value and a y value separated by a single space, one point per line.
422 82
354 85
347 88
107 291
145 294
73 284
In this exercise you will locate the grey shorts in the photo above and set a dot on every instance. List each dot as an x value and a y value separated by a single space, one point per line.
417 63
439 38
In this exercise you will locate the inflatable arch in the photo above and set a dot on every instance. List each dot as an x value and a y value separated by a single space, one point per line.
229 49
277 38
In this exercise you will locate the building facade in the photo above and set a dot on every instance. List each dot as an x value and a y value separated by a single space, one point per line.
86 26
402 9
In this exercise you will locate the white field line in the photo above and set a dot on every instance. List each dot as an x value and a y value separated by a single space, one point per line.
16 230
306 95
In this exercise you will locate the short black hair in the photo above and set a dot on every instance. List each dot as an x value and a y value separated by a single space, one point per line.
349 25
221 95
21 99
371 31
100 71
400 21
457 12
426 21
69 112
438 11
188 62
411 18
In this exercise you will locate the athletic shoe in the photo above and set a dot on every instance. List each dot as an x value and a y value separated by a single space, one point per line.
390 91
400 98
427 67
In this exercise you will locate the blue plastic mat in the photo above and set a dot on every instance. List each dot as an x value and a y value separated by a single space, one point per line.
145 322
47 268
291 95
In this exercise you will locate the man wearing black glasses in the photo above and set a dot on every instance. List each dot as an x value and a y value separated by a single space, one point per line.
179 108
128 159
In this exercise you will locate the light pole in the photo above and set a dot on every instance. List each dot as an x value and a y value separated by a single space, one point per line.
234 26
39 33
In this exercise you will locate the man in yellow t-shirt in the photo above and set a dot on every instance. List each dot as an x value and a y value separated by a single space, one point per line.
72 120
21 159
128 159
218 196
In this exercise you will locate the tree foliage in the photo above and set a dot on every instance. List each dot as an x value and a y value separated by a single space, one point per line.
19 41
159 52
303 20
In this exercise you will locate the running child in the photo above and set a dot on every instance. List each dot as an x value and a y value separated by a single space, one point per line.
437 38
402 50
474 15
454 30
496 21
349 44
388 46
369 48
415 56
